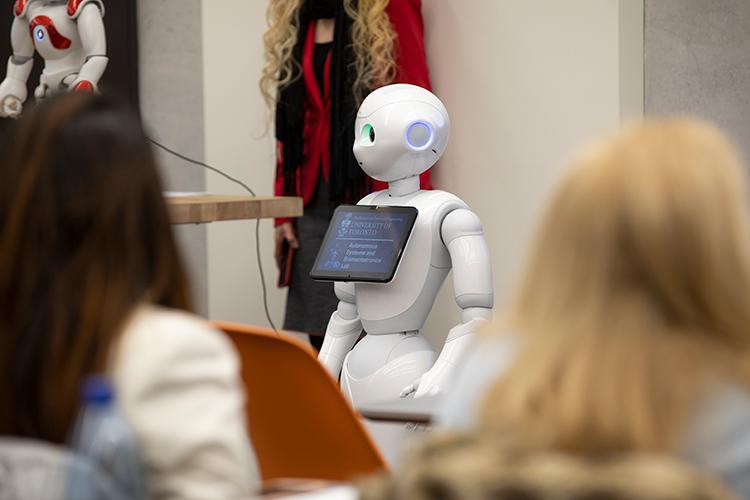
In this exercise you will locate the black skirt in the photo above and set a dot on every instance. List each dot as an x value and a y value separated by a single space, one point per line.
310 303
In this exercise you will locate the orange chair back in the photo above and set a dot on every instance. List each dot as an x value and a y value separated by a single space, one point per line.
300 423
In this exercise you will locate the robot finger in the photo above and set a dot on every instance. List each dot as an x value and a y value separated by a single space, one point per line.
12 107
40 92
411 389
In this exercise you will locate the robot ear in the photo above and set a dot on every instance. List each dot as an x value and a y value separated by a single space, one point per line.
420 135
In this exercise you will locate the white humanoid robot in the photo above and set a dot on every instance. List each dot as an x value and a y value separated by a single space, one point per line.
69 35
401 131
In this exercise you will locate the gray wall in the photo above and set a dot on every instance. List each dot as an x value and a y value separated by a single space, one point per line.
697 62
171 86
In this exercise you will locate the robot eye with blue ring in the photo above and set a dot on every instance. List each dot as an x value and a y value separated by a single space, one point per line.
40 34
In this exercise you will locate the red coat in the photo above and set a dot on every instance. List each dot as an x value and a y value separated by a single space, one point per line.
406 18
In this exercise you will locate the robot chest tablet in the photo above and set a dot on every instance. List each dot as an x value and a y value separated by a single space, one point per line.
53 32
423 267
364 243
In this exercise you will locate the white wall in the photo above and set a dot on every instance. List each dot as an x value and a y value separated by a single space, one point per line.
235 122
525 81
171 95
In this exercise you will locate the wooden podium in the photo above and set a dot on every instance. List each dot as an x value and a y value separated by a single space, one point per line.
204 208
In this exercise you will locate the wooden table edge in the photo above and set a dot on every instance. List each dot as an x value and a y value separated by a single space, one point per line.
202 209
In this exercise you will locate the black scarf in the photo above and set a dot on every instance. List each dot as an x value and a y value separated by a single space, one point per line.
348 183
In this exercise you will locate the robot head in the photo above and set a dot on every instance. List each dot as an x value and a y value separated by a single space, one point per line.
401 130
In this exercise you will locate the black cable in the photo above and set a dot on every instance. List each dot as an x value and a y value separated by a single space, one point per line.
257 221
262 276
201 164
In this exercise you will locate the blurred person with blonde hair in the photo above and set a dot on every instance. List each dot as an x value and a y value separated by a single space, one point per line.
631 328
322 58
489 466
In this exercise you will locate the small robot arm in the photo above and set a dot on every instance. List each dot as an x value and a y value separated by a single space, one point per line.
344 328
13 91
463 236
94 41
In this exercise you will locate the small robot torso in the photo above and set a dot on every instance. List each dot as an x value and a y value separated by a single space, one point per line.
57 40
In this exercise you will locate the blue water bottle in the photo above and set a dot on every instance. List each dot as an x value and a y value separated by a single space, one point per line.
103 438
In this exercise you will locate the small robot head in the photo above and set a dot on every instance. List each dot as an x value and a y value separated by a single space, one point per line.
401 130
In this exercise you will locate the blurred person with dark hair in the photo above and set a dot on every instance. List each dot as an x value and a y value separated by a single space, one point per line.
91 282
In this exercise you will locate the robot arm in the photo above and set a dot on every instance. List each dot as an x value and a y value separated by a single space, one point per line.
472 283
344 328
94 40
13 91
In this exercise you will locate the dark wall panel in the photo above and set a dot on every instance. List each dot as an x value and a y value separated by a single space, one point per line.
697 62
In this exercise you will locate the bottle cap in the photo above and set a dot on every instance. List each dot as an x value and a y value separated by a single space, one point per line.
97 389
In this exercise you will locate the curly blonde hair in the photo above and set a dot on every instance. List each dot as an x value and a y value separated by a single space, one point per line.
373 42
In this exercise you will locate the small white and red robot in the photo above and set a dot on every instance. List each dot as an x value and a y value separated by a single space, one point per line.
70 37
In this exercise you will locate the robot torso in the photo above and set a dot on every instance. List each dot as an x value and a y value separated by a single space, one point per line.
55 33
404 304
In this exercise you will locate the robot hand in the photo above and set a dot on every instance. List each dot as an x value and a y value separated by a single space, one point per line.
411 388
13 93
429 384
438 379
83 85
41 91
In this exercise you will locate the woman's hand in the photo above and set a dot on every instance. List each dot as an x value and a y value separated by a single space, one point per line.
286 232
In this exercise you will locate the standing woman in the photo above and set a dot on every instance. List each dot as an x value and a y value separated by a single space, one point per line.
322 58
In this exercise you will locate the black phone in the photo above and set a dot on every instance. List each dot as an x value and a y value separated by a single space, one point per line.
285 269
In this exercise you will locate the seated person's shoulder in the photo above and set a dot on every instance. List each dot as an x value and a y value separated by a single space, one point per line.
179 385
178 331
718 433
159 344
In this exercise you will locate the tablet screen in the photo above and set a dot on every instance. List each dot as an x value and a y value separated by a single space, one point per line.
364 243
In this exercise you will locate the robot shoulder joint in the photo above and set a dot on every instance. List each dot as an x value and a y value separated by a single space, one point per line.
458 223
75 7
21 7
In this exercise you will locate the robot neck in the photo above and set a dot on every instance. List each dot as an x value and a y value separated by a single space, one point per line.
405 186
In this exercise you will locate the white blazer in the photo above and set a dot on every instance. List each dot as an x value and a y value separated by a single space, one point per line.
179 387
